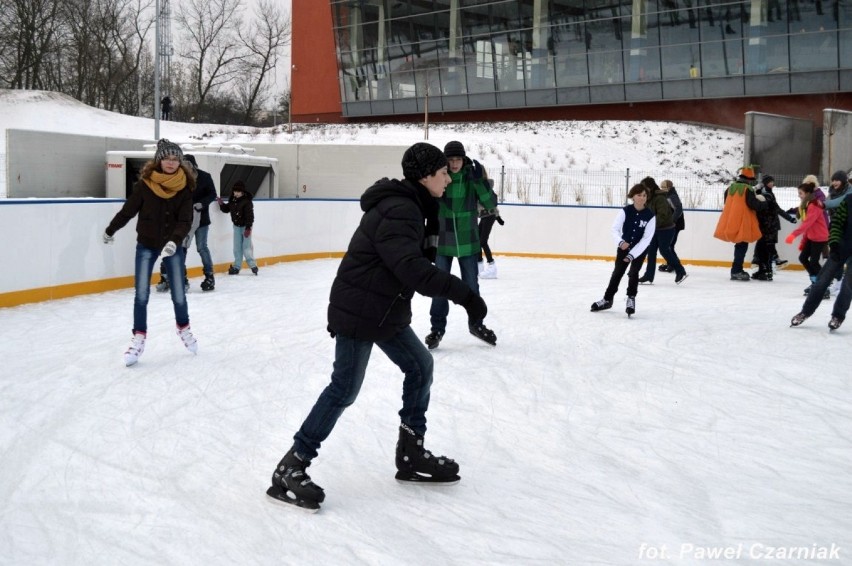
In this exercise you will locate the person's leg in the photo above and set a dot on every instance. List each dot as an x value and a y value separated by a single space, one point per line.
470 274
145 258
740 249
248 251
238 247
173 270
485 226
350 366
619 267
817 289
416 363
440 305
814 250
633 275
844 297
203 250
651 255
664 242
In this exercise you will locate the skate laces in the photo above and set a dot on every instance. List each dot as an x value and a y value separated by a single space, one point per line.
188 339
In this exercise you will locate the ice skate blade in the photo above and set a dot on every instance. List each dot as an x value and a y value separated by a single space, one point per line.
283 497
415 478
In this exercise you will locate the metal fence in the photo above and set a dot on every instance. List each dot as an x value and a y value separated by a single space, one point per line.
609 188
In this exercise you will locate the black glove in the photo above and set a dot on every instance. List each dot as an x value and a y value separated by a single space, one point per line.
431 253
475 307
500 220
834 252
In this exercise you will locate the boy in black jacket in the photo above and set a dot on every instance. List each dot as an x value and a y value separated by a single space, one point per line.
370 304
241 208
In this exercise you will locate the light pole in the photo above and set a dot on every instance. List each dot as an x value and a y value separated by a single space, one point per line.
157 70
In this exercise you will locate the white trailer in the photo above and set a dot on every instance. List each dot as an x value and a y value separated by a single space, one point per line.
225 163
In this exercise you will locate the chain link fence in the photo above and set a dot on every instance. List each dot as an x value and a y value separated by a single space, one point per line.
609 188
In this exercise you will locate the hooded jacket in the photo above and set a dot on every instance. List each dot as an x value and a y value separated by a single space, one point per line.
241 209
205 193
385 264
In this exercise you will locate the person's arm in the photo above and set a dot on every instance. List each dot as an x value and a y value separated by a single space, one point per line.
643 244
617 227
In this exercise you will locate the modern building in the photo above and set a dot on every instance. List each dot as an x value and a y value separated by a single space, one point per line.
686 60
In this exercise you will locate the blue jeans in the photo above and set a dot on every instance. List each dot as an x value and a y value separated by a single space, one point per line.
350 366
469 274
243 247
203 250
824 279
145 258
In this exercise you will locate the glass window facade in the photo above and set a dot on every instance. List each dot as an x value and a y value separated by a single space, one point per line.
476 54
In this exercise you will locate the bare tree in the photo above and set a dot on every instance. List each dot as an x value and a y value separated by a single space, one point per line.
214 48
264 40
29 32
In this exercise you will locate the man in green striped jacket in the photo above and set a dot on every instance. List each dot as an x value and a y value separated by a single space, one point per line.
458 235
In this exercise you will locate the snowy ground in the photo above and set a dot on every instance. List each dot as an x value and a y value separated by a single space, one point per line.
583 438
669 149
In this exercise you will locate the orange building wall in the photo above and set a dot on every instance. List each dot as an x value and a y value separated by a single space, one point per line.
314 89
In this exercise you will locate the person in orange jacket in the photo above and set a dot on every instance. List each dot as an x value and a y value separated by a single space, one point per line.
738 222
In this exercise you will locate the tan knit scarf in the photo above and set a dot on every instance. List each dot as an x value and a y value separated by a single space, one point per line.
167 186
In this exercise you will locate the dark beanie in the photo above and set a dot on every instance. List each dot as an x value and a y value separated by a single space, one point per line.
839 176
421 160
165 148
454 149
767 179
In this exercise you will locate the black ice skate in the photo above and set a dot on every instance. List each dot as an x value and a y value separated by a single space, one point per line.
163 283
834 323
798 319
292 485
631 306
233 270
601 305
209 284
483 333
433 339
417 465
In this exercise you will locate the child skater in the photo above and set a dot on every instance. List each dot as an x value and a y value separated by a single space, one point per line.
814 231
632 231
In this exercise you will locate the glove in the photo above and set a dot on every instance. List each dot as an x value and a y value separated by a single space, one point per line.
500 220
247 233
834 252
789 239
219 201
475 307
197 206
169 249
431 253
108 239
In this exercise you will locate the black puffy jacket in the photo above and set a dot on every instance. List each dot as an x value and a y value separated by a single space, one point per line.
385 264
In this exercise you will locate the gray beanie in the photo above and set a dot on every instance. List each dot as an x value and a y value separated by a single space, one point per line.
839 176
421 160
165 148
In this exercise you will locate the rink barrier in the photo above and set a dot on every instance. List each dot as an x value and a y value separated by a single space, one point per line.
62 254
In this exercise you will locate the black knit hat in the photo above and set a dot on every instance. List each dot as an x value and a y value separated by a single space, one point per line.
454 149
421 160
767 179
165 148
839 176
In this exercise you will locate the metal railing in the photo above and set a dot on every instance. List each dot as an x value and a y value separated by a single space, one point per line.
609 188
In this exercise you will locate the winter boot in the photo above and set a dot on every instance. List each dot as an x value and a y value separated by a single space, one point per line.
292 484
763 273
631 306
834 323
601 305
233 270
137 346
416 464
188 339
483 333
254 270
433 339
489 271
209 284
163 283
798 319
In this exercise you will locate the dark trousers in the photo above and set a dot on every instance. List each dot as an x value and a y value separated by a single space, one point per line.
618 270
810 257
740 249
826 275
486 223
